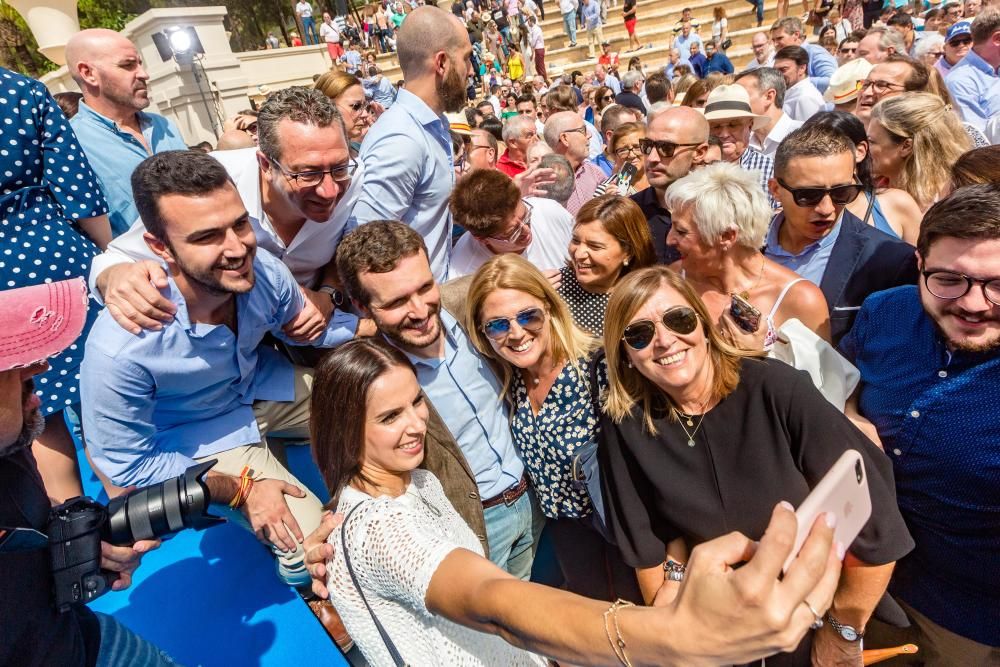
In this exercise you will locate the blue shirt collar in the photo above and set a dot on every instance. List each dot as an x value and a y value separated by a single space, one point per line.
86 112
419 110
976 61
450 330
774 246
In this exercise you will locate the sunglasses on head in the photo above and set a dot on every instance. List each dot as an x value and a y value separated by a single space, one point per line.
681 320
529 319
840 195
665 149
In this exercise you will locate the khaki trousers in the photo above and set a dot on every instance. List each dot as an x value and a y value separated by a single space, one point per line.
594 39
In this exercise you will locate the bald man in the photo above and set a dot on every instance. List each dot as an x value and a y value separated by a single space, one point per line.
232 140
567 134
675 140
407 155
114 131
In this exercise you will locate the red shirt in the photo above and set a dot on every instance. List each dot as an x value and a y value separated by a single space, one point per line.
608 59
508 166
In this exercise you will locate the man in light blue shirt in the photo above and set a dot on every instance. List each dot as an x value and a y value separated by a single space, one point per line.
202 387
114 131
788 32
385 271
973 80
378 88
407 154
684 40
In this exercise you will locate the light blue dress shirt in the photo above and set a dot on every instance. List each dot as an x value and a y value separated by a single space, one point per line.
811 262
154 402
380 89
114 154
976 89
466 393
683 44
821 65
409 175
592 15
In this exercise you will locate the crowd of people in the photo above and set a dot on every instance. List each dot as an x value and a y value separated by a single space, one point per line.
643 312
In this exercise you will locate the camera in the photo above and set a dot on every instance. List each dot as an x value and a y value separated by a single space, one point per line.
77 527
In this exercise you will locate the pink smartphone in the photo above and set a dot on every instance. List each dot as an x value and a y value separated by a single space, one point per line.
843 492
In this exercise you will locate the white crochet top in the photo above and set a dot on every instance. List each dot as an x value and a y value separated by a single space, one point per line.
396 544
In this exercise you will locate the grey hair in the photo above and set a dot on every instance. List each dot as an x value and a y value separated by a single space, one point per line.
630 78
789 25
767 77
557 124
515 125
299 105
926 43
562 188
721 197
889 38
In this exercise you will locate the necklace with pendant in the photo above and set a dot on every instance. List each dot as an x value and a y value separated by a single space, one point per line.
689 420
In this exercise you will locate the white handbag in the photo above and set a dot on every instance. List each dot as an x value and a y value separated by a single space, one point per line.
833 375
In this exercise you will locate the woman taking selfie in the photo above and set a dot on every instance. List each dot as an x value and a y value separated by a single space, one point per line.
624 145
720 217
699 438
610 238
404 561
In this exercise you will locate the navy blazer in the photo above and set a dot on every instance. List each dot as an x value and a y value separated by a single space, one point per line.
864 260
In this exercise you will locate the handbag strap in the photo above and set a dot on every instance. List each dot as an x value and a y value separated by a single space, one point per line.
871 204
397 659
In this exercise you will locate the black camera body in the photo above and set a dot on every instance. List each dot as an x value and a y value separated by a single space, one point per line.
77 527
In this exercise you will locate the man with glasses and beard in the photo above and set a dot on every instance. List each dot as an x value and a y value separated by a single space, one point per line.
203 386
929 357
407 155
818 238
36 323
111 126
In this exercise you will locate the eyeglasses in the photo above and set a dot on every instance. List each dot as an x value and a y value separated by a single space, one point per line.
582 130
460 162
936 54
950 285
961 41
846 50
840 195
665 149
625 151
529 319
472 147
880 87
358 107
607 98
307 179
680 320
519 230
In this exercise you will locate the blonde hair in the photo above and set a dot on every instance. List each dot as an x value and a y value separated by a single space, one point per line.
723 196
335 83
937 136
567 342
627 386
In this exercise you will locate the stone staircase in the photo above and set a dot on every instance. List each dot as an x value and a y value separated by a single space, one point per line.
656 20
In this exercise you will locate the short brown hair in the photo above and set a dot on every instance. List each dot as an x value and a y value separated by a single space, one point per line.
810 141
374 247
483 201
985 24
980 165
969 213
561 98
623 219
919 75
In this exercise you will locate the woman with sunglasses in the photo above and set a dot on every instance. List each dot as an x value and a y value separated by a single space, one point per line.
720 217
610 238
516 319
699 438
625 146
348 94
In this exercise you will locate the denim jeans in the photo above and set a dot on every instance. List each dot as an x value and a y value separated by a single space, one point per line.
121 646
759 4
512 532
309 30
569 25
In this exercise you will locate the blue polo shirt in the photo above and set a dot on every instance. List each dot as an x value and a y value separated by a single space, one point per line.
114 154
974 84
811 262
938 415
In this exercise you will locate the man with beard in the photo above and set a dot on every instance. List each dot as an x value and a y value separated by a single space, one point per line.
818 238
675 140
407 155
202 386
114 131
929 357
298 213
385 269
37 323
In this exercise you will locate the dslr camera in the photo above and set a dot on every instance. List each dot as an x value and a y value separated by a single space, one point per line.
77 527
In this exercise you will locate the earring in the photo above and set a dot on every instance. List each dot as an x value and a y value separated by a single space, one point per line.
625 262
629 363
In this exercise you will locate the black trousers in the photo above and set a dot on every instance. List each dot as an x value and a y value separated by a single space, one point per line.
592 567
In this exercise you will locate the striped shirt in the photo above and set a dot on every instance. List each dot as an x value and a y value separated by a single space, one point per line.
752 160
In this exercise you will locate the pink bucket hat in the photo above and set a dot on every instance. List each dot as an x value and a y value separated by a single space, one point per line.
40 321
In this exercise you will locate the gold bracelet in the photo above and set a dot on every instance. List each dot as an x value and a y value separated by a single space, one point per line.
617 646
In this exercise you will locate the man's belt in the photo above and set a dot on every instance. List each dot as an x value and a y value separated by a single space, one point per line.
508 497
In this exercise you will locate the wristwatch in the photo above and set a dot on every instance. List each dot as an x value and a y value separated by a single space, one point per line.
847 632
336 296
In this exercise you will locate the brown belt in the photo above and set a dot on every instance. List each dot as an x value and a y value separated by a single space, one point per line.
508 497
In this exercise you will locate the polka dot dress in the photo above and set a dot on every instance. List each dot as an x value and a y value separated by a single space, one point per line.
588 309
45 183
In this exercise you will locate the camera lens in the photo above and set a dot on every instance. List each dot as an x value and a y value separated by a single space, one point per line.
859 471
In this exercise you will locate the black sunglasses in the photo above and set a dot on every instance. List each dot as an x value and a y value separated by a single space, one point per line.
529 319
680 320
840 195
665 149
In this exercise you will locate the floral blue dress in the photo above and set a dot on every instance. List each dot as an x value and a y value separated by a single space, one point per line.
46 183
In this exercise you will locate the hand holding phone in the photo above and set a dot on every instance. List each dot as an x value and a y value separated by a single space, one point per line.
746 315
843 492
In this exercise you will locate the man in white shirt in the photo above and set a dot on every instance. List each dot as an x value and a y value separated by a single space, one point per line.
305 13
497 220
298 223
802 98
330 33
766 87
536 42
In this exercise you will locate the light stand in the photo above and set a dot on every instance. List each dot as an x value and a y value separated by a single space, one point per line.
182 45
